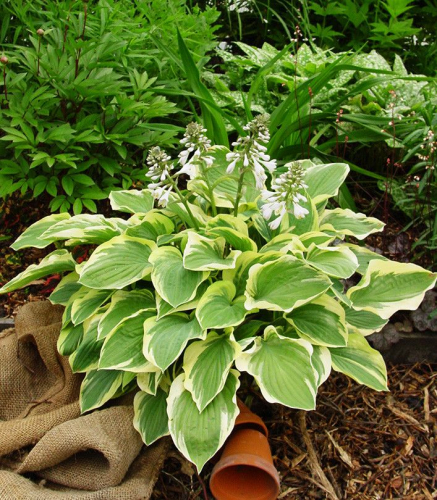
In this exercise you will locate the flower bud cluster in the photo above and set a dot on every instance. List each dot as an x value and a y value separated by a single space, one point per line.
159 171
196 145
285 195
250 154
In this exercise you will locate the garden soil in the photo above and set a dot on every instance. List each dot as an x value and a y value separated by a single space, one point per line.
47 450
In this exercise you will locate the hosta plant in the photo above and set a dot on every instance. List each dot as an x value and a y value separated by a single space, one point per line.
226 264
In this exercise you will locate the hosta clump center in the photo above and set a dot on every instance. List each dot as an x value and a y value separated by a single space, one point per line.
230 275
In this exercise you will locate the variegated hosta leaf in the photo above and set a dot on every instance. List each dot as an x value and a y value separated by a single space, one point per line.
321 322
165 339
360 362
284 243
124 304
132 201
86 305
321 361
149 381
240 274
180 210
153 225
283 285
364 322
324 181
218 307
68 285
86 357
150 415
118 263
198 436
32 235
206 366
339 262
123 348
56 262
229 221
69 338
233 238
87 228
364 256
98 387
174 283
282 369
164 308
316 237
387 287
346 222
306 224
205 254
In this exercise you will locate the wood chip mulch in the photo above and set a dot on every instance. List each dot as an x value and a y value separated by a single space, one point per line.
357 444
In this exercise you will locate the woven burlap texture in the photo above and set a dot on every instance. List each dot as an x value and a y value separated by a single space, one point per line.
42 432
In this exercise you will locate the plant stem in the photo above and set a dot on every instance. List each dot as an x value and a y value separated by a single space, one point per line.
239 192
185 203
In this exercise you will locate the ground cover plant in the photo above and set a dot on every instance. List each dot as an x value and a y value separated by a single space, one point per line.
227 266
80 103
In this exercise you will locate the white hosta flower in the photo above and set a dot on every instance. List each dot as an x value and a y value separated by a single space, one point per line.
249 154
158 162
196 144
285 196
161 193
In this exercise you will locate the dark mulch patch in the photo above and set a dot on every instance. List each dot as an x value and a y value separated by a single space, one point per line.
358 443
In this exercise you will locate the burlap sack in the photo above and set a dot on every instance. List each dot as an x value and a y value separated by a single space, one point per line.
39 407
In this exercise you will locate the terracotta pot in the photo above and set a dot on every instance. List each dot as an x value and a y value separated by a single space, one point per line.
248 420
245 470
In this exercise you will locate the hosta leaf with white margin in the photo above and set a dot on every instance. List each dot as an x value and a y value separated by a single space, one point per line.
123 347
87 228
164 308
229 221
124 303
360 362
364 256
240 274
324 181
56 262
174 283
219 308
166 338
198 436
346 222
339 262
68 285
150 415
388 286
81 292
233 238
364 322
305 225
337 290
226 186
283 284
151 227
69 338
205 254
86 357
149 381
180 210
282 368
118 263
321 361
206 366
32 235
284 243
132 201
321 322
316 237
98 387
86 305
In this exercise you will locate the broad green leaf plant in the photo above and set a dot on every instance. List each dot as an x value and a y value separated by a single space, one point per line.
226 264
